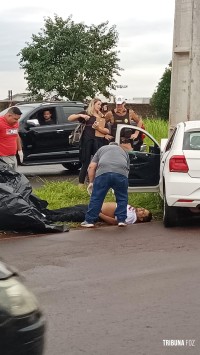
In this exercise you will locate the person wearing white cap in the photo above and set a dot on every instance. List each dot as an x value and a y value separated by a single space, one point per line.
122 115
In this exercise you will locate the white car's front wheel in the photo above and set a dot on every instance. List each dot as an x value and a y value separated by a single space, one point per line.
170 215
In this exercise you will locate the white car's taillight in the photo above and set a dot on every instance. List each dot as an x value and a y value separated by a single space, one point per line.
178 164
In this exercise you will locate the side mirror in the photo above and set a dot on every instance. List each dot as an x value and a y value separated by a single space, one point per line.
32 123
143 148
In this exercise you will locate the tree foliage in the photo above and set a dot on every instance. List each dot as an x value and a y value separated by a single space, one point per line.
72 59
161 97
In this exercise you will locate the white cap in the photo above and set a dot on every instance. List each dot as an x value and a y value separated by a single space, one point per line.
119 100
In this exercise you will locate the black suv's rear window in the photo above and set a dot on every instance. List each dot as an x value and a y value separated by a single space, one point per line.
191 141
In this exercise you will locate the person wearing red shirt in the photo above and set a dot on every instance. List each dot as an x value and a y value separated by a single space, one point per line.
9 138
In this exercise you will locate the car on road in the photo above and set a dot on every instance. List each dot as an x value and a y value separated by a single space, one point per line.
22 324
174 172
49 144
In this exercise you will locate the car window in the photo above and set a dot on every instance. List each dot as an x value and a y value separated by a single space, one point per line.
170 141
69 110
23 109
191 141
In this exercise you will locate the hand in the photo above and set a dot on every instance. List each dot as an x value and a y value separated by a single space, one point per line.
90 188
95 125
85 117
108 137
21 156
134 136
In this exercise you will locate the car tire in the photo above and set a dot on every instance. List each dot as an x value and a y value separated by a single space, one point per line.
170 215
72 166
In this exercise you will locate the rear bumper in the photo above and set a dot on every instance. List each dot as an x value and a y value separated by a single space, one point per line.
182 191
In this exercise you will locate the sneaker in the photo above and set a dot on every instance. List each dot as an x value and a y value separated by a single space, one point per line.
122 224
87 225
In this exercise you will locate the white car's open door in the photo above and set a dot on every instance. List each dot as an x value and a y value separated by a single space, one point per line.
144 165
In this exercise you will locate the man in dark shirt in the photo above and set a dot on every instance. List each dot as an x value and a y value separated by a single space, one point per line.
47 118
121 115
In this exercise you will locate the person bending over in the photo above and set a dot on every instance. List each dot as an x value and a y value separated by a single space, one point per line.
108 169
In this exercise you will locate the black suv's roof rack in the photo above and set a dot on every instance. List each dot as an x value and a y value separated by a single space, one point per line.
62 102
48 102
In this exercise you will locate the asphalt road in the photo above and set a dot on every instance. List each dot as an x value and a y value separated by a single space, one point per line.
115 291
40 174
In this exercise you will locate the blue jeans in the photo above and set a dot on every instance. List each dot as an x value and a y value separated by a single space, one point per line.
102 183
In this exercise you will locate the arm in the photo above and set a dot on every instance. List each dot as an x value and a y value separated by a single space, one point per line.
76 116
19 146
107 219
103 130
108 116
108 135
91 171
137 120
19 149
100 129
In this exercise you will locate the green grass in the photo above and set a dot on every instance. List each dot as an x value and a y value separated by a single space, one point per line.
157 128
63 194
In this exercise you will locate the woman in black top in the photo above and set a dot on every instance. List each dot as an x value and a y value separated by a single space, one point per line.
93 134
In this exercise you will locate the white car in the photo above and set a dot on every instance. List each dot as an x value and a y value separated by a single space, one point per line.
174 172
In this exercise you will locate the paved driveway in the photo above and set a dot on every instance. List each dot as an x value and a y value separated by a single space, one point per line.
115 291
39 174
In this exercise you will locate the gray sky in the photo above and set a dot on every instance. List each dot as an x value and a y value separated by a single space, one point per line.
145 30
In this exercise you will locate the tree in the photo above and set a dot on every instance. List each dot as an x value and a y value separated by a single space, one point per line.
72 59
161 97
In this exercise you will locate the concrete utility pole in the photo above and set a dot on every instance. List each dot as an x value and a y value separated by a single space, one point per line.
185 85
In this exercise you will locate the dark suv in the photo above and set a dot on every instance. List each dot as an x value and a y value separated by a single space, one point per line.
48 144
22 324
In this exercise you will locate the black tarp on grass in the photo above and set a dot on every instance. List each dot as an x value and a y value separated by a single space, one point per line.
19 208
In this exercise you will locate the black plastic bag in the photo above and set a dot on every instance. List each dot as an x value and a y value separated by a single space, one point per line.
19 209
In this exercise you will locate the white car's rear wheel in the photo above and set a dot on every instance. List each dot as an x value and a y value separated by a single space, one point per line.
170 215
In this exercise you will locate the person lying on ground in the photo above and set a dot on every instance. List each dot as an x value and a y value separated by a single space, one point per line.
134 215
77 214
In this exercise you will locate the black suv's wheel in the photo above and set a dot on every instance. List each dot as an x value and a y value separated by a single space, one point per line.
170 215
72 166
